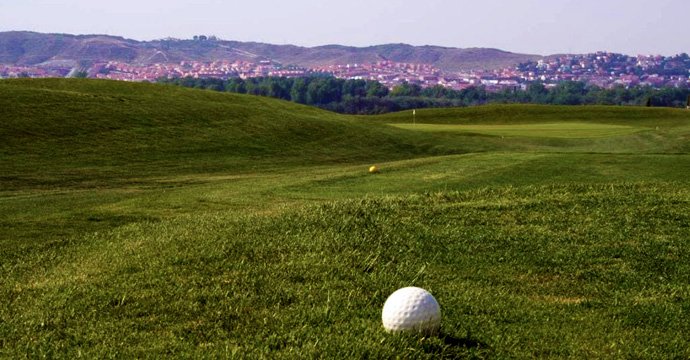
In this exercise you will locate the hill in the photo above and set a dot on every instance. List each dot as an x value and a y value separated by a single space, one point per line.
30 48
76 128
444 58
73 127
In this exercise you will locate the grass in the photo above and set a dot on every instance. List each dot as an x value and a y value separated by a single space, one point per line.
97 132
557 130
563 271
190 224
515 114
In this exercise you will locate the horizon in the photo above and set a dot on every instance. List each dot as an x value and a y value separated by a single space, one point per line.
494 24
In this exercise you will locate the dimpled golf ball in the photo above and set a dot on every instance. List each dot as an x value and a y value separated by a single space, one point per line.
411 309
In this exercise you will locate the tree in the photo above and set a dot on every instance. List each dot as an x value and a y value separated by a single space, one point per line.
236 85
406 89
347 96
536 92
279 88
354 88
567 93
323 91
255 87
189 82
438 92
298 93
473 95
376 89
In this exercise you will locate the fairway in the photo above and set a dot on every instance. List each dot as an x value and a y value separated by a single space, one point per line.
142 221
556 130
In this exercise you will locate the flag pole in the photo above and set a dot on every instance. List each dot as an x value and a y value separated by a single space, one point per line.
414 113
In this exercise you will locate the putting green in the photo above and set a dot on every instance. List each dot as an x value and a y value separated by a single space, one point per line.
554 130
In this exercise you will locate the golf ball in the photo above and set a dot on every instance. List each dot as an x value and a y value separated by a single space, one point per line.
373 169
411 309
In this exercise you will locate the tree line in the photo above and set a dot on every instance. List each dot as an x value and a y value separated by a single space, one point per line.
371 97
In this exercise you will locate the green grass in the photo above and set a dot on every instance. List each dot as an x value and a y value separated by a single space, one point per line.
563 271
96 132
538 114
146 221
558 130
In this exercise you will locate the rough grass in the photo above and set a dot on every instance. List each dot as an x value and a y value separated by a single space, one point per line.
145 221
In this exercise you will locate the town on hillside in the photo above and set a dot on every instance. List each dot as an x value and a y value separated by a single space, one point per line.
604 69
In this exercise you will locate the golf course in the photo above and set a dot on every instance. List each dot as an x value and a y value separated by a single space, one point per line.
146 221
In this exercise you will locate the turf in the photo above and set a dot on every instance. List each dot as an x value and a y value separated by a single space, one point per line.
147 221
538 114
95 132
557 130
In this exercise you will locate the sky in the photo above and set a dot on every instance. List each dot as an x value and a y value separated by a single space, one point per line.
542 27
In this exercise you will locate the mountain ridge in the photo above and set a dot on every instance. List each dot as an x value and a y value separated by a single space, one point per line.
32 48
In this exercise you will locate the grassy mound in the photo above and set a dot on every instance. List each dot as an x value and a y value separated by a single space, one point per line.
95 130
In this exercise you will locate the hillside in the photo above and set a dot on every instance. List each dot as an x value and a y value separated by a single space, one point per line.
444 58
29 48
68 127
535 113
96 132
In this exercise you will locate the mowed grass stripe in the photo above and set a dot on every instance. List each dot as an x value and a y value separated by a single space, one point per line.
566 130
475 171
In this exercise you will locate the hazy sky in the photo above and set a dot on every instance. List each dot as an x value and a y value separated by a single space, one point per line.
526 26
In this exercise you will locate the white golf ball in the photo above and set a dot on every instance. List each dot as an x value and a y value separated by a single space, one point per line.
411 309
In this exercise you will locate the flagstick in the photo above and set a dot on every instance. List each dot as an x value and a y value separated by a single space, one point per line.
414 122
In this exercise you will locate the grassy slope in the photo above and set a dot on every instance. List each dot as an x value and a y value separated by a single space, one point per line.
530 114
658 130
565 130
190 223
99 130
